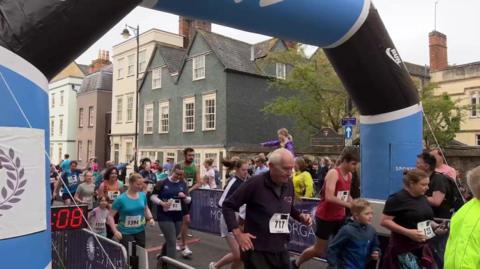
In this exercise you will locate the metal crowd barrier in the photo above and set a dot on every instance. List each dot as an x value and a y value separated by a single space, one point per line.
169 263
80 249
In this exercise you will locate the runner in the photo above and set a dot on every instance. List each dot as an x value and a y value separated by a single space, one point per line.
71 178
193 180
133 212
241 174
210 174
97 218
65 163
86 190
170 196
111 187
330 215
269 198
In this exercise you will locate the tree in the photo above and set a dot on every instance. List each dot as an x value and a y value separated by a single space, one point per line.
314 95
442 114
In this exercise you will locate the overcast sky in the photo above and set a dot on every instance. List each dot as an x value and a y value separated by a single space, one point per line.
407 21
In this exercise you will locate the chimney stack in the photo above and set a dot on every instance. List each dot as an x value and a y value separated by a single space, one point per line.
438 51
187 27
102 60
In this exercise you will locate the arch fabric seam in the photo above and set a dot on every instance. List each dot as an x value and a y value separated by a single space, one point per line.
355 27
392 115
48 157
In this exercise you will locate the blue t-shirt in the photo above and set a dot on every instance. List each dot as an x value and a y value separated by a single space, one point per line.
65 165
132 213
166 190
260 170
72 180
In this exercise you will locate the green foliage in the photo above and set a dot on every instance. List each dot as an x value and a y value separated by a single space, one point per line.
314 95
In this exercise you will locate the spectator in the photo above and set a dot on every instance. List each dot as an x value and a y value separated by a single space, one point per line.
285 140
302 180
441 166
261 164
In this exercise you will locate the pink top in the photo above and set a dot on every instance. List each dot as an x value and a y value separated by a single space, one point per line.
447 170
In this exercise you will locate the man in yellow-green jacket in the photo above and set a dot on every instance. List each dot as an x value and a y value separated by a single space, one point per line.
463 246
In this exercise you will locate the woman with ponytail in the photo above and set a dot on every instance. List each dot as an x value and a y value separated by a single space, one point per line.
285 140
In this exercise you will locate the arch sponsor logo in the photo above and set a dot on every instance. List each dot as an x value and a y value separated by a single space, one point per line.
393 54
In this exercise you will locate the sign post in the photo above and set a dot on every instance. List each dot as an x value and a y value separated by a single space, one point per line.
348 124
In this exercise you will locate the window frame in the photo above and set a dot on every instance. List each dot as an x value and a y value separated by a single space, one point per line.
120 68
186 101
119 109
147 107
130 65
130 109
79 149
142 61
52 126
161 120
91 116
157 70
205 98
195 67
474 105
62 97
283 67
60 125
477 137
52 100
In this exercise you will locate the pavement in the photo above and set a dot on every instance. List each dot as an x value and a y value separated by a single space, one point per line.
206 247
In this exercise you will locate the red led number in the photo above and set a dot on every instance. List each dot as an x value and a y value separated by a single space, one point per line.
62 218
76 218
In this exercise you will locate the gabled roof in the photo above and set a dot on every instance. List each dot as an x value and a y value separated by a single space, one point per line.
173 56
418 70
85 68
71 70
263 48
100 80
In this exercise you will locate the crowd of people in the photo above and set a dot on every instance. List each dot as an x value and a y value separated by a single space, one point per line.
258 201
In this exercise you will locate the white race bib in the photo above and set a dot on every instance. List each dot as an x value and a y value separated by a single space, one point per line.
426 228
99 226
279 223
112 195
150 187
72 179
189 182
133 221
343 195
176 205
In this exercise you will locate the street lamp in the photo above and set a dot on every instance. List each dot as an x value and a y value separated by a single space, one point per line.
126 35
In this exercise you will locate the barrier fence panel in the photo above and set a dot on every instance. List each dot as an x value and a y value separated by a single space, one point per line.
78 249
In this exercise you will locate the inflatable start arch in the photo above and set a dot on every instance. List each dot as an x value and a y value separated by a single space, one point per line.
38 38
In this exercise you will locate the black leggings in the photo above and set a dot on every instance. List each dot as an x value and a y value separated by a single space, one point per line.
138 238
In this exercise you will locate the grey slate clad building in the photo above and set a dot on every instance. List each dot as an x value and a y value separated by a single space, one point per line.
210 97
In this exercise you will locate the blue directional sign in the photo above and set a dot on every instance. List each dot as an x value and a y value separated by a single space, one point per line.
348 132
349 121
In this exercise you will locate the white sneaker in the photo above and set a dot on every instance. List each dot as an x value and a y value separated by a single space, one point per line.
179 248
212 265
186 252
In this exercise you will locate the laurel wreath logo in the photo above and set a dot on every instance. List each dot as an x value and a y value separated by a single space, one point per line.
11 194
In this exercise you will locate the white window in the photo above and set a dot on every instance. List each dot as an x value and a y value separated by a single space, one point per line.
157 78
148 119
131 65
52 126
119 109
142 61
152 155
130 107
120 68
52 100
61 98
170 155
281 70
164 117
89 149
198 64
60 151
474 104
79 150
116 153
209 110
90 117
80 117
129 150
60 123
51 150
189 114
478 139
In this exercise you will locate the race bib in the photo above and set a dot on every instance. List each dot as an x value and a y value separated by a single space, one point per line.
72 179
426 228
176 205
279 223
99 226
343 195
150 187
133 221
190 182
112 195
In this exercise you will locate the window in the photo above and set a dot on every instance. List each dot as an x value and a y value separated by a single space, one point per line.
60 123
474 103
281 71
89 149
209 112
52 100
90 117
189 114
198 159
120 68
52 126
148 119
129 149
80 117
51 150
142 61
152 155
130 107
170 155
163 115
478 139
116 153
131 65
157 78
198 64
79 150
61 98
119 109
60 151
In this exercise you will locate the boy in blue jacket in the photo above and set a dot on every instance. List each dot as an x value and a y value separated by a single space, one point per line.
356 242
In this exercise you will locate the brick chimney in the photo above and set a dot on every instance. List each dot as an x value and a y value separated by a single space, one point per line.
186 28
438 51
102 60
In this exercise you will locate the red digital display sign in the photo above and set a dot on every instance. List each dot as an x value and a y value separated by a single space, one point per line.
68 217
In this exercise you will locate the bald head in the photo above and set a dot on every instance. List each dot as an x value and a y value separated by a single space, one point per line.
281 164
473 180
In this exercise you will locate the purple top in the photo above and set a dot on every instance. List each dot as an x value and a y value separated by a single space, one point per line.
276 143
